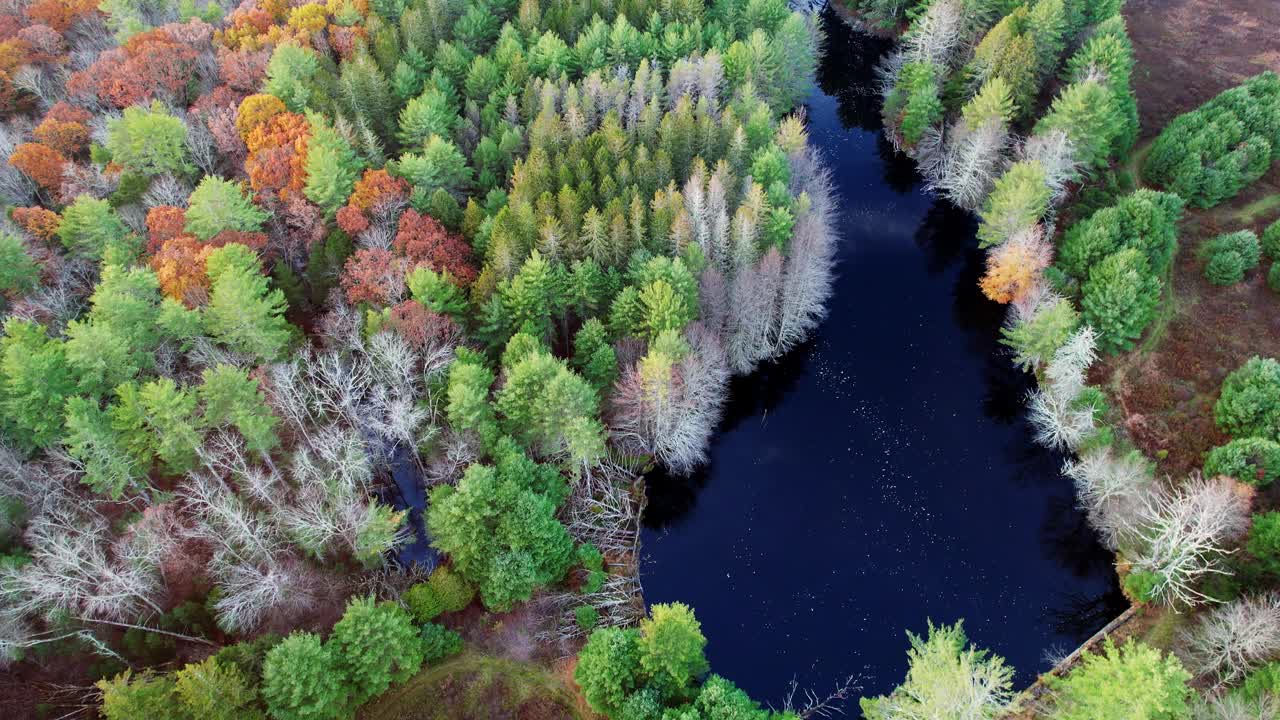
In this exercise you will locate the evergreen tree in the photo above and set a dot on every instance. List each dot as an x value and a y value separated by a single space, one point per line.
243 312
332 166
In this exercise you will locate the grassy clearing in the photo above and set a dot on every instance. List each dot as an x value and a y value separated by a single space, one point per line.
472 686
1257 209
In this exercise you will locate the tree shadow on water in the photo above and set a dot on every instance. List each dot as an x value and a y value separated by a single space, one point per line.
672 498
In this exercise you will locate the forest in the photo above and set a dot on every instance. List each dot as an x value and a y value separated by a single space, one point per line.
339 338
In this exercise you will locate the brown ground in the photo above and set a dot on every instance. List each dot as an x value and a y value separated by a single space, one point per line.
1188 51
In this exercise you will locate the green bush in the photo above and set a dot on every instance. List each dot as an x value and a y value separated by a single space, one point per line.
1273 276
423 602
1124 683
1250 402
1146 220
1251 460
1141 584
439 642
1229 256
1263 682
587 617
453 592
1264 542
1212 153
1119 299
1271 241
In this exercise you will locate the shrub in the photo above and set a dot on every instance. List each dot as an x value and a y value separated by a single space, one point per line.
453 592
1229 256
438 643
1264 542
1145 219
423 602
587 617
1273 277
1251 460
1250 402
608 668
1271 241
1263 682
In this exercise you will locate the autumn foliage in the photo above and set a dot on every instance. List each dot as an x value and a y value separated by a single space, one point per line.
1013 268
37 221
164 222
422 240
41 163
373 275
150 65
60 14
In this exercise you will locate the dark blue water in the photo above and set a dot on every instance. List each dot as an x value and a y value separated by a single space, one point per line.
882 474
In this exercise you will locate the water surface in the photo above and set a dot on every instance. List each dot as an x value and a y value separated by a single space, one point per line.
882 474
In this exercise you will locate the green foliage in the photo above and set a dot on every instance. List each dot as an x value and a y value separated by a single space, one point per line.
671 649
292 74
1271 241
332 166
913 103
440 165
19 273
231 397
444 591
993 103
1264 542
1018 201
212 691
301 681
609 668
248 656
216 205
586 617
1132 682
109 467
500 531
89 227
594 356
1142 585
946 677
431 113
550 409
1119 299
243 312
1145 219
1229 256
36 377
150 696
117 338
1249 405
1212 153
1090 115
438 643
158 421
1261 683
1036 340
1273 277
148 141
374 645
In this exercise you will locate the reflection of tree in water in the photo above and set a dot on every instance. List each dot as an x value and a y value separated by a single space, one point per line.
673 497
846 71
1068 539
1080 615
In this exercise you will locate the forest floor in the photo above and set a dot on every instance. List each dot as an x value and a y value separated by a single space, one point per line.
1188 51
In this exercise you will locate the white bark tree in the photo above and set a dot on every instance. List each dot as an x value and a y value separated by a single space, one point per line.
1228 642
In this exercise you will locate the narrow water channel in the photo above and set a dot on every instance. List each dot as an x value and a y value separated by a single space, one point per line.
881 475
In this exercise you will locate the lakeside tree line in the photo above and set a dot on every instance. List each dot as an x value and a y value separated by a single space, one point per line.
1022 112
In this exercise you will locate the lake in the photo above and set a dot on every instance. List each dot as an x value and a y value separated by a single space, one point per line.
882 474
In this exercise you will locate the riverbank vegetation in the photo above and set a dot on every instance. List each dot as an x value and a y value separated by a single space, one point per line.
1027 120
266 260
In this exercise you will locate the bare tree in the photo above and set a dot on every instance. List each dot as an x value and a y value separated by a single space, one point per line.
1052 409
1235 707
808 272
670 409
936 36
1112 488
1185 533
753 313
1228 642
972 161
